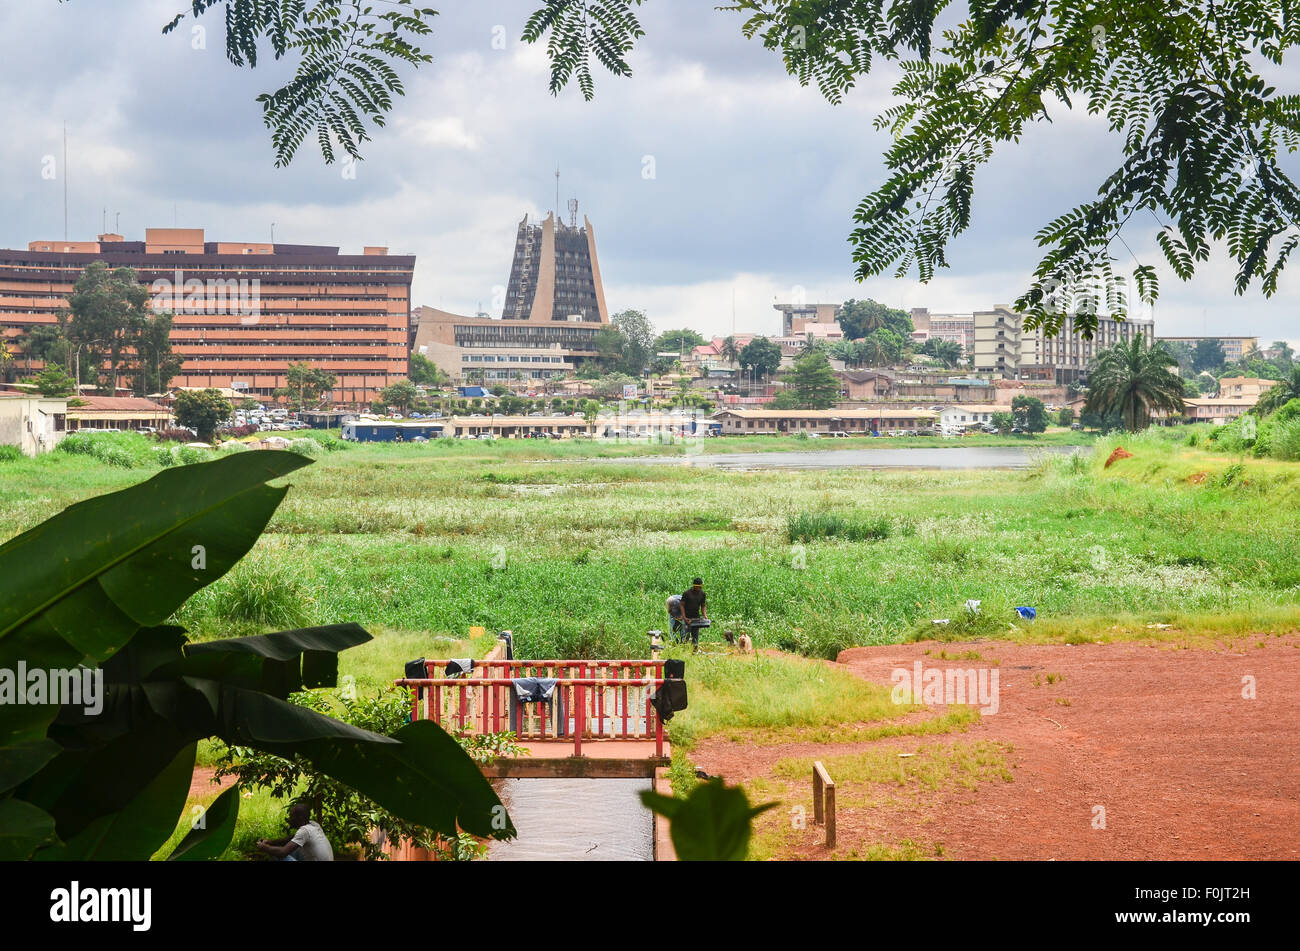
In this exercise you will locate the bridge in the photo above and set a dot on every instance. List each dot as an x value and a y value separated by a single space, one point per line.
598 723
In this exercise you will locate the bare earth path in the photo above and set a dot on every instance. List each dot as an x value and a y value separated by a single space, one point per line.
1161 737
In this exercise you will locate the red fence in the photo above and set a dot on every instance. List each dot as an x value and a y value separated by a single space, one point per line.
594 700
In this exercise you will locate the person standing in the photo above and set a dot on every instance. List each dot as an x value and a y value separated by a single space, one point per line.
694 608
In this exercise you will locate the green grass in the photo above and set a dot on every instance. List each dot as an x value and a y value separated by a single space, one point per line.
576 555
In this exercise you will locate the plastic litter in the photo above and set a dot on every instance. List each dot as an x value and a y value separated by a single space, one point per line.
1027 613
973 606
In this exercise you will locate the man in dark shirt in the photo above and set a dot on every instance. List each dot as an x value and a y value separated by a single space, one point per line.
693 609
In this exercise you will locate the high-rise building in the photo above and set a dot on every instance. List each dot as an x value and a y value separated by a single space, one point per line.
1004 347
955 328
555 274
554 307
244 311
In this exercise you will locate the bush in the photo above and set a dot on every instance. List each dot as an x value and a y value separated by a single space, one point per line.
122 450
175 435
10 453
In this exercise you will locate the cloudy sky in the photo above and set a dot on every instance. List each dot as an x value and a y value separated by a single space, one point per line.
753 186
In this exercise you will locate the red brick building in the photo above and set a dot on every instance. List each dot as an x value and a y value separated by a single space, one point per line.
244 311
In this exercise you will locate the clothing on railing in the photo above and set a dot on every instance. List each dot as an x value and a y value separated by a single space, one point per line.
669 698
674 669
538 690
458 668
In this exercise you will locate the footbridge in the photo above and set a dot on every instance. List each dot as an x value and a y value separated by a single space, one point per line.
596 721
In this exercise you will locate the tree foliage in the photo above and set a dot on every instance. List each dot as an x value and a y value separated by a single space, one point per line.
1029 413
861 318
1133 379
761 356
813 382
345 53
401 395
1181 84
202 411
94 588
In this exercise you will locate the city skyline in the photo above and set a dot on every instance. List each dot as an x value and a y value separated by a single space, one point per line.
709 130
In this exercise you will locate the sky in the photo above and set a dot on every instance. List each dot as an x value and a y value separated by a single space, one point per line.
715 184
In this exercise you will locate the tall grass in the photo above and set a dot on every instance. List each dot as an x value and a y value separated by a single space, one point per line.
810 526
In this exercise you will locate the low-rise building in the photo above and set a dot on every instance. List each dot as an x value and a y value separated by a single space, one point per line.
1244 387
33 423
1216 409
963 416
754 422
118 412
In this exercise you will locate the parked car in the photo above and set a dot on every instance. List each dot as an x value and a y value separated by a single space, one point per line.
839 434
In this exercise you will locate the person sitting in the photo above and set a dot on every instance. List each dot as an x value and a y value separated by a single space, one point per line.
308 843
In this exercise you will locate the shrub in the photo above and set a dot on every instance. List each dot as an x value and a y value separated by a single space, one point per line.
122 450
175 435
10 453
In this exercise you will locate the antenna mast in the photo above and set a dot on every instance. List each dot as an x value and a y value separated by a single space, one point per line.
65 181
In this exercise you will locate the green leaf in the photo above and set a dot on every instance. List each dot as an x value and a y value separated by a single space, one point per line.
280 663
424 777
136 831
20 761
186 528
23 829
713 824
207 842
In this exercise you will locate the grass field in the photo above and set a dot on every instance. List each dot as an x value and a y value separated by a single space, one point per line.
576 555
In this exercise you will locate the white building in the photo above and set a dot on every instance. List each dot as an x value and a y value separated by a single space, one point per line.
33 423
963 416
1003 346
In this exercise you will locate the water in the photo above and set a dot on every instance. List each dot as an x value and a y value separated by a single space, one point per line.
590 820
959 457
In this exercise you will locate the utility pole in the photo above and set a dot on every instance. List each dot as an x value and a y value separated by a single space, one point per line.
65 181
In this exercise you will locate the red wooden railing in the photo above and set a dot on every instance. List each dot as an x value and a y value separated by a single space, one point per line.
601 700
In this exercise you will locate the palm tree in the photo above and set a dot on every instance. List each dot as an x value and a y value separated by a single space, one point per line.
1134 379
1280 393
729 351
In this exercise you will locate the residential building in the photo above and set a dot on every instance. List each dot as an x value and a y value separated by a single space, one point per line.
1006 348
244 310
33 423
1234 348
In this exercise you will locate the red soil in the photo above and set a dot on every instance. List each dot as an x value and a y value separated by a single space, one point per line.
1160 737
